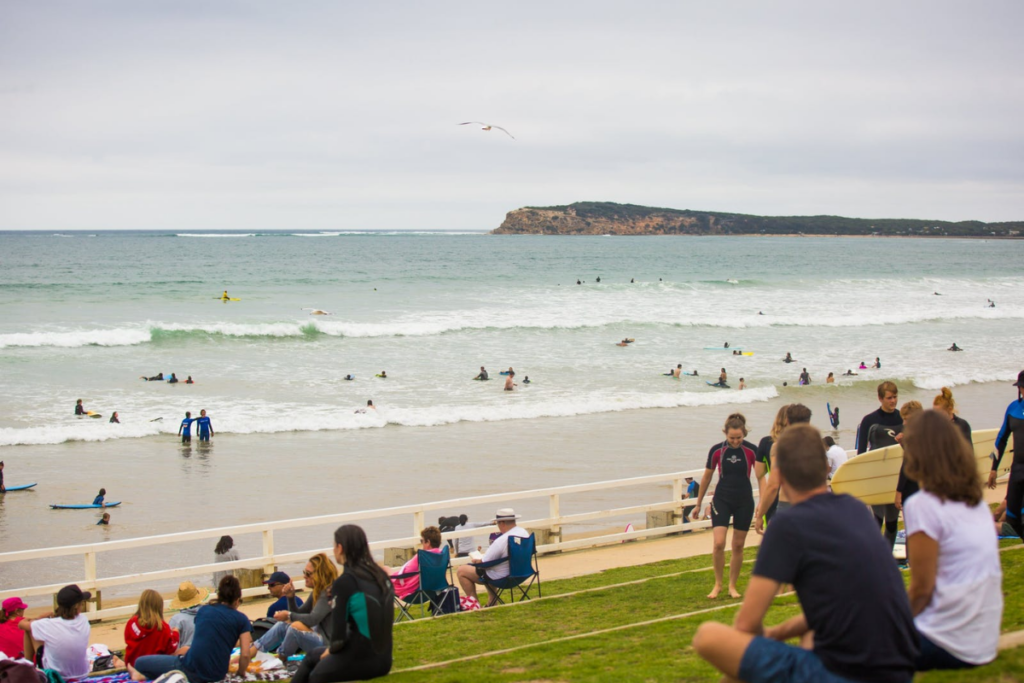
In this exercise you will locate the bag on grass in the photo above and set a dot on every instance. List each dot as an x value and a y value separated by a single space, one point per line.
449 601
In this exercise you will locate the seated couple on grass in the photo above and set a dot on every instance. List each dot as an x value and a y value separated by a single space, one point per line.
857 622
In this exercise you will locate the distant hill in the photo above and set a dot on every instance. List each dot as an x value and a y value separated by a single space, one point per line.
608 218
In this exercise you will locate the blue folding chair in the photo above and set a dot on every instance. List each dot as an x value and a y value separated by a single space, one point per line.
522 569
435 580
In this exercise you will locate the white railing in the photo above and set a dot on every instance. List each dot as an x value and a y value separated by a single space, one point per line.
553 523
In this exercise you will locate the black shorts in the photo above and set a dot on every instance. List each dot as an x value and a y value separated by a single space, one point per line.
186 438
738 508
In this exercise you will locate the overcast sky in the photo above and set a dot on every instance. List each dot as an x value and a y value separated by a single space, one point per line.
341 115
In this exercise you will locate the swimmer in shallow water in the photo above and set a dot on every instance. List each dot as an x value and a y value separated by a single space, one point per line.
113 418
349 377
954 347
850 373
509 384
788 358
189 380
383 374
483 374
79 408
173 379
743 385
526 380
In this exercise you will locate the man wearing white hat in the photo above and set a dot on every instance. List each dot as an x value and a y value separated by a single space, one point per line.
470 576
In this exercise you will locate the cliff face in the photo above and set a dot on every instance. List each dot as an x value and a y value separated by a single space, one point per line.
606 218
578 220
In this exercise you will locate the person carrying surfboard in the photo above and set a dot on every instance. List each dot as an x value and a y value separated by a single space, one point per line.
733 500
1013 423
885 416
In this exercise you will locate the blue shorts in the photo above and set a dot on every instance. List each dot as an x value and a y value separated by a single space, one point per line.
769 661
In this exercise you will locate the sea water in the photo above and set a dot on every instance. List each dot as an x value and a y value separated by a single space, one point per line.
85 315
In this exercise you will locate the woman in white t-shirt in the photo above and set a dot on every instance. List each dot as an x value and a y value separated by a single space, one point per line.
956 578
64 635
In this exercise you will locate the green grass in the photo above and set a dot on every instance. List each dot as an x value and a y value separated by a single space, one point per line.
654 652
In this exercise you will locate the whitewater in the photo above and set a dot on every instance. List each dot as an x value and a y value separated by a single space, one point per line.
86 318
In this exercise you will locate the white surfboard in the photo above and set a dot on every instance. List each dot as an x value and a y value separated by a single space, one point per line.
872 476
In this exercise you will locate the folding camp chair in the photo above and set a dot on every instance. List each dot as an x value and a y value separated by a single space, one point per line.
522 568
435 579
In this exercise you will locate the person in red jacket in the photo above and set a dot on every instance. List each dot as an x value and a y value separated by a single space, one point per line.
146 633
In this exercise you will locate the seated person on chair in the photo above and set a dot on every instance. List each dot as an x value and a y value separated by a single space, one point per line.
430 540
470 576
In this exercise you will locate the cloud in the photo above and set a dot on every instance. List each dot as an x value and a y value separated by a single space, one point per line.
330 115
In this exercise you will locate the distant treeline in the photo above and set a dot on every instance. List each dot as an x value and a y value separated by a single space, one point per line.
605 217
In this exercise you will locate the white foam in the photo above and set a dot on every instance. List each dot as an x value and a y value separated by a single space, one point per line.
76 338
198 234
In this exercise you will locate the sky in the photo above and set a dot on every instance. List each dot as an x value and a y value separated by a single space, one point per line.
332 115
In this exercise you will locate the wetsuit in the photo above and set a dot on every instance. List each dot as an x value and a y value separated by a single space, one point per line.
764 455
906 486
1013 423
98 500
203 425
79 410
878 430
361 643
186 429
734 497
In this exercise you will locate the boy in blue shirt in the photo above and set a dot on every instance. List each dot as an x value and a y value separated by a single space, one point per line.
205 428
185 430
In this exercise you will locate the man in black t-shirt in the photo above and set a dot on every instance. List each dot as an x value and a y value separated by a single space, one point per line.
853 598
878 430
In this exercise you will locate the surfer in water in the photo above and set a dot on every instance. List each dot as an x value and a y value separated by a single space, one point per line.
113 418
383 374
79 408
722 377
349 378
483 374
224 296
159 377
204 426
526 380
788 358
954 347
189 380
185 430
805 378
173 379
104 520
849 373
98 500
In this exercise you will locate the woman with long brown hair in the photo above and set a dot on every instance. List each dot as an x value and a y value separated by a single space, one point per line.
309 626
763 462
146 633
733 500
956 578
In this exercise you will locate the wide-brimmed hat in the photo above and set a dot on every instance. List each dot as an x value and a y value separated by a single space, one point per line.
1020 380
505 515
189 595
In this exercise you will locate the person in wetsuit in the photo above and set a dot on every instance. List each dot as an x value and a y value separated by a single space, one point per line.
483 374
204 426
361 645
763 461
185 430
954 347
1013 423
883 421
733 500
79 408
943 403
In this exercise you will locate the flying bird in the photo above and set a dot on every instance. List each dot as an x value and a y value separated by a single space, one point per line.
487 126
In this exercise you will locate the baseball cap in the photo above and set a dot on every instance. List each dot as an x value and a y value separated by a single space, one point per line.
1020 380
11 604
69 596
278 577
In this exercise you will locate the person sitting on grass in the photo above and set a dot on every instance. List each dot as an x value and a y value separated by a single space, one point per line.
146 633
309 626
280 586
956 580
189 599
856 620
219 627
62 635
362 620
430 540
470 576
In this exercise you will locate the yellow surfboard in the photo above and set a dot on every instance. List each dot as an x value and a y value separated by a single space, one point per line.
872 476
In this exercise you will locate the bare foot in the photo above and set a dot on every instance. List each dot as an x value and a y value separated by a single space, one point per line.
135 675
733 593
714 592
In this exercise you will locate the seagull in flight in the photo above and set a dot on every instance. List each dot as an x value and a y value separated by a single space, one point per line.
487 126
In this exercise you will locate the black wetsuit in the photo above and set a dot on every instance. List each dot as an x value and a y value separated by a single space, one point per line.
361 641
734 497
880 437
764 455
79 410
1013 423
906 486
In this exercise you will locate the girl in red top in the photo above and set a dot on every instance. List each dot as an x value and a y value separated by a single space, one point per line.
146 633
12 638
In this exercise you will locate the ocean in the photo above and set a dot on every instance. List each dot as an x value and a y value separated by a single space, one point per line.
85 315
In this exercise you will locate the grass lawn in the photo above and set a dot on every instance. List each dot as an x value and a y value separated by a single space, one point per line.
653 652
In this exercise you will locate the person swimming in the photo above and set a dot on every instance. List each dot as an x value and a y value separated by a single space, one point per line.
954 347
79 408
349 377
850 373
189 380
509 384
113 418
526 380
173 379
788 358
159 377
862 366
383 374
483 374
